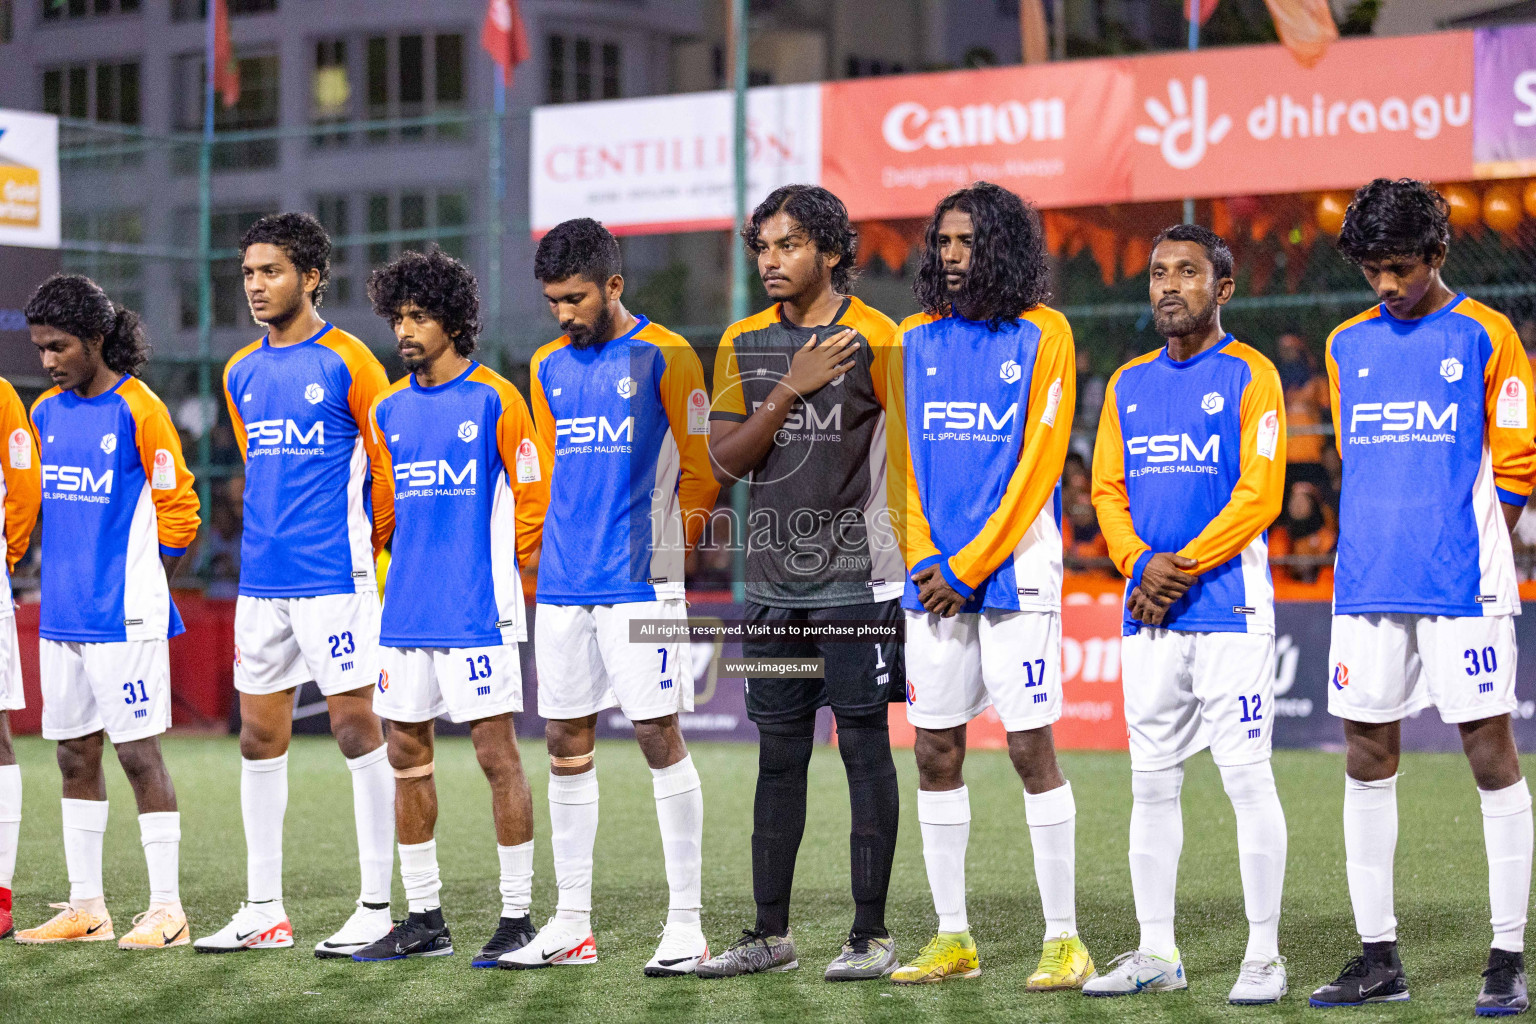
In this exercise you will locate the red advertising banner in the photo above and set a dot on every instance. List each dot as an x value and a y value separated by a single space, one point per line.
1237 121
1251 120
1093 704
890 147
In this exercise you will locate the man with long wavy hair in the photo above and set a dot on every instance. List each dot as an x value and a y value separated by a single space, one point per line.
981 403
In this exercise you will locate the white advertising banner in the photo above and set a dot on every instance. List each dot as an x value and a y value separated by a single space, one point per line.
663 164
29 179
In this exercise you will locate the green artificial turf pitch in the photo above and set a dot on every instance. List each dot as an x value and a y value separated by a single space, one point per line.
1442 899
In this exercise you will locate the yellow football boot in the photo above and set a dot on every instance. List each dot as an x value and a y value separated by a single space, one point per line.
1064 963
158 927
69 925
949 955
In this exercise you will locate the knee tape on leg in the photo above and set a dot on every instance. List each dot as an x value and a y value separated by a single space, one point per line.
421 771
579 761
784 748
1248 783
1159 786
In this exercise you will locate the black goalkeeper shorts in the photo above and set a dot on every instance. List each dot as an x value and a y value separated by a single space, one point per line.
861 677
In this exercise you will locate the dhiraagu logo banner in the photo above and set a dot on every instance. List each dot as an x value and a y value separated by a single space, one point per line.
29 179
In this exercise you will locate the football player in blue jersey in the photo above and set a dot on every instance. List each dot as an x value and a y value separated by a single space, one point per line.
622 402
1434 419
308 608
1188 473
467 486
121 512
981 400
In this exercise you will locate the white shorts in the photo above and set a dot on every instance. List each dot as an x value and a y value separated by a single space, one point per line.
417 684
587 664
283 642
958 666
1188 691
122 687
1387 666
12 697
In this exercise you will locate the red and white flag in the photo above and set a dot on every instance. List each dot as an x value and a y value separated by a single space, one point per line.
504 36
226 70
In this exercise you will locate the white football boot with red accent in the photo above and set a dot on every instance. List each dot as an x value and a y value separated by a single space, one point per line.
558 943
254 926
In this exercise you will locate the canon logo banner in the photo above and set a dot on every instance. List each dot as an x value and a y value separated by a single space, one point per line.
909 127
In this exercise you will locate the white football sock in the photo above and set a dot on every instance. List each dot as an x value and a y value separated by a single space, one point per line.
10 821
85 823
1052 818
263 804
944 818
1157 839
1507 835
419 875
516 878
373 805
680 813
160 835
1370 845
573 833
1261 842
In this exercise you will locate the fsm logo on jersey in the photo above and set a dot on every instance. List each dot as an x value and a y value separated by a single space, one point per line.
1010 372
468 431
314 394
434 478
1174 453
626 387
1378 422
109 443
598 431
285 437
79 481
1213 403
968 421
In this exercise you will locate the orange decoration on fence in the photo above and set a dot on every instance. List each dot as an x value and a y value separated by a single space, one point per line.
1330 211
1466 211
1501 209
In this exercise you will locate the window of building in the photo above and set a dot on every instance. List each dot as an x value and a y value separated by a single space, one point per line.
417 219
333 214
7 25
197 10
330 91
413 75
62 10
226 226
93 92
580 69
257 108
868 67
121 276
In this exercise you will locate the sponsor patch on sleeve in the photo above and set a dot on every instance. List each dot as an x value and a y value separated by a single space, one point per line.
1511 410
1269 435
164 476
21 449
698 412
1052 400
527 462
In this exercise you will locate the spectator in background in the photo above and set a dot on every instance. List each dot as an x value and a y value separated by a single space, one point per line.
1306 411
1090 399
1084 549
221 546
1307 527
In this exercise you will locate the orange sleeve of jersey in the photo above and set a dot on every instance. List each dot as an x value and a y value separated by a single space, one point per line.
235 419
23 474
543 419
687 406
369 382
1260 491
529 460
1047 433
1111 500
170 481
1333 395
381 466
1511 414
729 399
907 517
